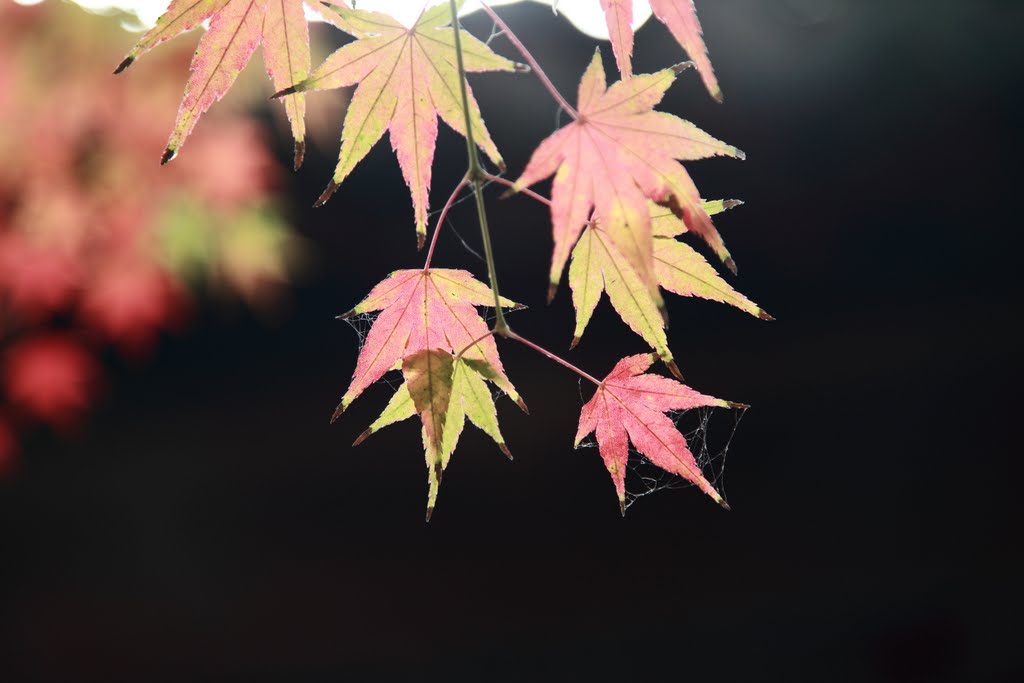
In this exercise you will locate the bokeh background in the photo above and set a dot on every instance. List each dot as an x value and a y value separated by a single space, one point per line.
199 519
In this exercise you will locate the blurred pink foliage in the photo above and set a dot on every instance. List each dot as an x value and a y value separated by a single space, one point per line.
98 242
51 377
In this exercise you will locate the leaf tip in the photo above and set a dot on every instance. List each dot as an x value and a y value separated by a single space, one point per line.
125 63
339 410
421 240
290 90
674 369
521 68
169 154
300 154
552 290
622 507
514 188
731 265
731 204
522 405
505 450
362 437
680 67
725 505
332 187
716 95
737 406
574 342
765 315
430 508
739 154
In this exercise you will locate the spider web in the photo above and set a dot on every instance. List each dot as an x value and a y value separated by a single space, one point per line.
709 433
710 447
361 324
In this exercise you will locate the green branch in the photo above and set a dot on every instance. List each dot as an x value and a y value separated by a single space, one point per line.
475 175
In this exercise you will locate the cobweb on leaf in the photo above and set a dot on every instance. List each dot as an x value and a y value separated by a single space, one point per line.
362 322
709 433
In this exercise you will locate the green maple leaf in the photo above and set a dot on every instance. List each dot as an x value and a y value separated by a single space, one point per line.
444 391
598 266
406 78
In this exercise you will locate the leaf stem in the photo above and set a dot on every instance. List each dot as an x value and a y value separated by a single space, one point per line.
440 221
473 343
475 175
530 60
544 352
527 191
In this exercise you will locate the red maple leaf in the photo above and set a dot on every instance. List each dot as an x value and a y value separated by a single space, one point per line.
629 407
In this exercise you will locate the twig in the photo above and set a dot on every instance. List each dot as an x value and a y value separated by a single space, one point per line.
530 60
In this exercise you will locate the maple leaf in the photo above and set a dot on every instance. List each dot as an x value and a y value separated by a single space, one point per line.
629 406
459 392
618 154
237 28
681 270
598 266
421 310
680 16
618 15
407 78
428 379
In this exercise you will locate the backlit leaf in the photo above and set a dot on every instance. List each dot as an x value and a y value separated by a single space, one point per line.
629 406
471 398
679 16
286 56
468 397
613 159
428 376
618 15
598 266
406 78
681 270
420 310
237 28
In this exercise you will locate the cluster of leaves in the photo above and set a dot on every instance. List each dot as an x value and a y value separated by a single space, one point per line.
98 245
620 198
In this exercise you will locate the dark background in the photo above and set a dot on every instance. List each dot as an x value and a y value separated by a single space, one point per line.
211 525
